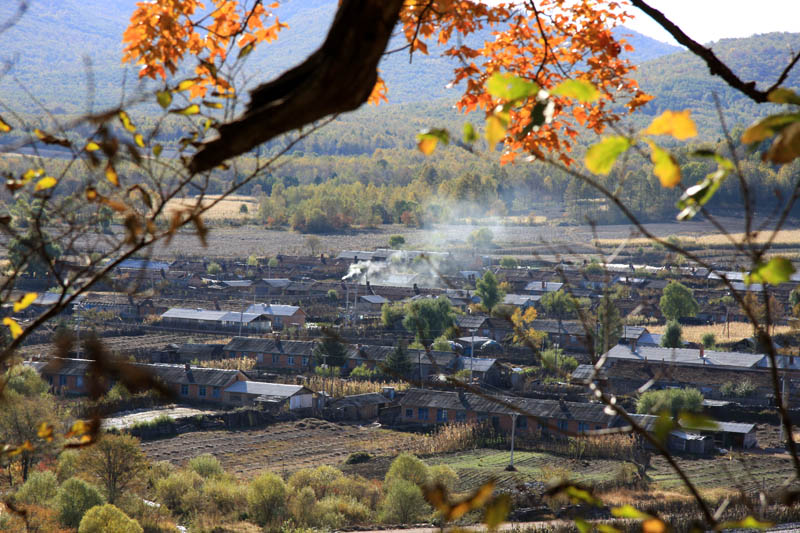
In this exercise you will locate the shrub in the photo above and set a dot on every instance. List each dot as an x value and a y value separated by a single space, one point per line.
742 389
214 268
243 208
266 499
224 495
364 490
408 468
673 400
396 241
333 295
180 491
557 363
357 457
67 465
206 465
709 341
38 489
404 503
362 371
318 479
302 506
508 262
334 512
159 470
108 519
443 475
75 498
672 335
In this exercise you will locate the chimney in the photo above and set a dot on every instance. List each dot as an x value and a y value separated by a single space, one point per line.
543 284
633 345
702 352
416 289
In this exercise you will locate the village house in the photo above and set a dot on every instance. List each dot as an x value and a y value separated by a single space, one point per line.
281 316
272 353
270 395
359 406
205 319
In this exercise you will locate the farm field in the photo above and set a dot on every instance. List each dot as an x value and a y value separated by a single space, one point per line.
228 209
283 447
738 331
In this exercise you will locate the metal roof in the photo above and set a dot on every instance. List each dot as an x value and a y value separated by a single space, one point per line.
270 346
273 309
142 264
688 356
374 299
361 400
470 321
476 364
520 299
278 283
632 332
211 316
544 286
259 388
237 283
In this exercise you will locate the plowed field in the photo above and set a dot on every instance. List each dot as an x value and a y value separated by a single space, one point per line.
283 447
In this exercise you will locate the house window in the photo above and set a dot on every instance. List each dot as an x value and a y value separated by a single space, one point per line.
598 427
461 416
215 392
62 381
305 361
422 413
441 415
290 360
79 381
522 422
202 390
583 427
563 425
184 390
276 359
409 413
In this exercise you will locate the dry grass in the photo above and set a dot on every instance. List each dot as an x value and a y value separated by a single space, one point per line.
337 387
450 438
738 331
239 363
229 208
783 238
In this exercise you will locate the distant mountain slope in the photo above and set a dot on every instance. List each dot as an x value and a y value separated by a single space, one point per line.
47 48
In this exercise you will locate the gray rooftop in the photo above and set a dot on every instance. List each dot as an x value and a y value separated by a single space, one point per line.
685 356
273 309
259 388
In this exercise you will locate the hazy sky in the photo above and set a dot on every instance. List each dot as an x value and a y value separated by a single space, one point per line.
711 20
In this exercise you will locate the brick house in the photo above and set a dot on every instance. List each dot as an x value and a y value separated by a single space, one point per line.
281 316
273 354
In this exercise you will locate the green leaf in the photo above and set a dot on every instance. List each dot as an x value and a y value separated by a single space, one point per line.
689 420
605 528
192 109
722 161
157 149
164 98
664 424
509 87
497 511
470 135
629 511
582 525
783 96
778 270
580 90
600 157
748 522
245 51
767 127
583 495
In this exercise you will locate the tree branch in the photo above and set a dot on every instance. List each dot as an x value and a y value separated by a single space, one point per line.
717 67
337 78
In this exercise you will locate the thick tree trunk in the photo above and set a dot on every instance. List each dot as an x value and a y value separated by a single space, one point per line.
338 77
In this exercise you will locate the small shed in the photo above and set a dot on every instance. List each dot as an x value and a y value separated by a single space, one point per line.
688 442
360 406
270 394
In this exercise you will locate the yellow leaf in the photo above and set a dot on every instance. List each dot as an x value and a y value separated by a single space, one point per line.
664 166
654 525
186 84
92 147
139 140
495 131
676 123
111 175
31 174
25 447
45 431
427 145
16 331
91 194
4 126
24 302
192 109
80 427
45 183
126 121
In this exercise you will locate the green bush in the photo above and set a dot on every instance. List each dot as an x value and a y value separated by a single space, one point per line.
108 519
67 465
404 503
556 363
741 389
509 262
75 497
302 506
709 341
357 457
214 268
224 495
38 489
334 512
408 468
672 400
362 371
396 241
266 499
443 475
363 490
319 479
180 491
206 465
672 335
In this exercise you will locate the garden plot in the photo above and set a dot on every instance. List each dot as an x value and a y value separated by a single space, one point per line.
138 416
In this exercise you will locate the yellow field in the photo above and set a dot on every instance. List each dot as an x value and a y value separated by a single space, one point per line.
738 331
229 208
784 237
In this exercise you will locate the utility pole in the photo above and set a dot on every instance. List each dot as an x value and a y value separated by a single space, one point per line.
510 466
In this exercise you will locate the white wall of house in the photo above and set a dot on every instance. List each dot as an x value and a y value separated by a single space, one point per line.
301 401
